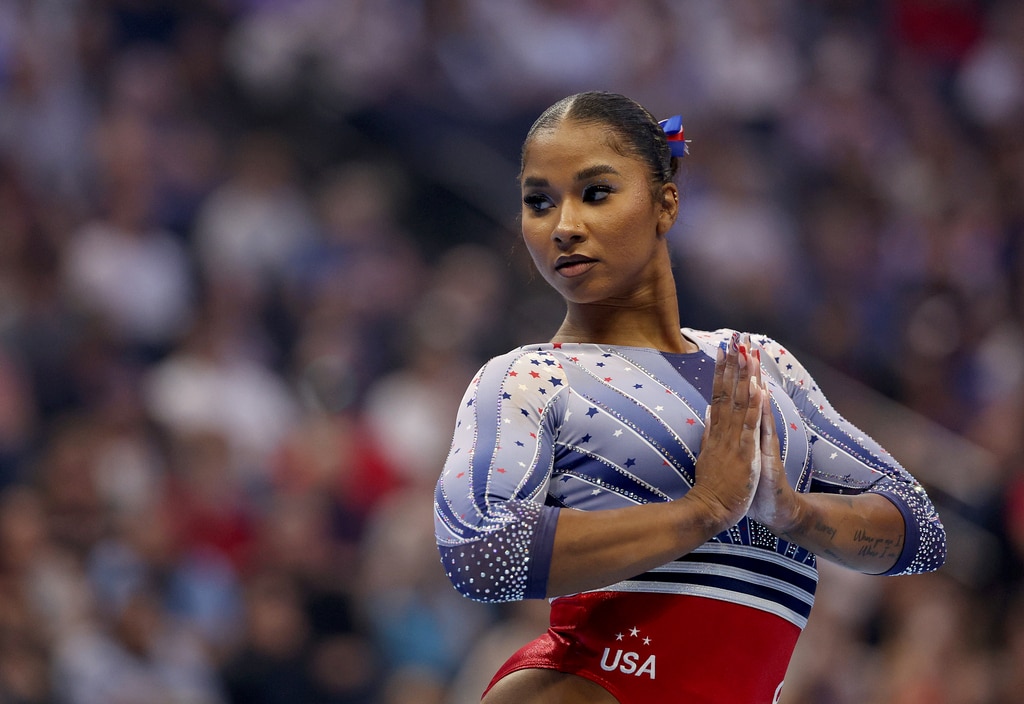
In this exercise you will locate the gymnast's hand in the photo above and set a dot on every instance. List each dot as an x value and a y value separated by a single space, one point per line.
728 467
776 504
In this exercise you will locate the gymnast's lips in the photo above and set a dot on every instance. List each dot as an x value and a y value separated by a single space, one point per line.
573 265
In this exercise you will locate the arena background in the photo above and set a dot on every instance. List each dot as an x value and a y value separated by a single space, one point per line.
251 252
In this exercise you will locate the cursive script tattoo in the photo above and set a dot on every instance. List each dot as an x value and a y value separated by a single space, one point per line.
878 547
825 528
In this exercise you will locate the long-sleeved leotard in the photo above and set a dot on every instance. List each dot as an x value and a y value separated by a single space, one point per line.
552 427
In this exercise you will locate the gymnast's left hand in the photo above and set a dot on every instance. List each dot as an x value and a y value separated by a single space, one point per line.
776 504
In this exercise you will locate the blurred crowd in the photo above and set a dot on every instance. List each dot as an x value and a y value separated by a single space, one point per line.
252 252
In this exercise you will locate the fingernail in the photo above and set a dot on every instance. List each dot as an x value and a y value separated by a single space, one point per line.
734 341
743 355
720 355
757 354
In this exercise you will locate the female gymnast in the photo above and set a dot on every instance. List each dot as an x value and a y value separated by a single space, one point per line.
668 489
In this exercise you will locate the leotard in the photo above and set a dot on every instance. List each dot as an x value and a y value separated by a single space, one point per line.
553 427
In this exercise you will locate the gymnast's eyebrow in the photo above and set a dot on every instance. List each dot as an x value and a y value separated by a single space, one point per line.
592 171
583 175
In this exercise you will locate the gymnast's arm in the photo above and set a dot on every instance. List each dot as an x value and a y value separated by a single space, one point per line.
594 549
502 544
864 511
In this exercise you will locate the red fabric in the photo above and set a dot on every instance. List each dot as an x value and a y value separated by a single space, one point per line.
646 648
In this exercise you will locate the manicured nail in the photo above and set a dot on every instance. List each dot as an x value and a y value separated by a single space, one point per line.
743 355
720 355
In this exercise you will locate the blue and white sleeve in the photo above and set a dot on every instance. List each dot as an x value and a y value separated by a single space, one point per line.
845 460
493 529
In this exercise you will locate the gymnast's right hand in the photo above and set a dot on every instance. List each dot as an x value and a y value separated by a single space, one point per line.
729 462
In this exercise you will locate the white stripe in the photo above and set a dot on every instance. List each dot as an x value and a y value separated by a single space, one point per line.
456 538
716 593
739 574
610 488
759 554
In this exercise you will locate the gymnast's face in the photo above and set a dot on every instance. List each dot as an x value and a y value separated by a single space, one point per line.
592 221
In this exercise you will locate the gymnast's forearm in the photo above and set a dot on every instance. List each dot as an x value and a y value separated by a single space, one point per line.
593 549
865 532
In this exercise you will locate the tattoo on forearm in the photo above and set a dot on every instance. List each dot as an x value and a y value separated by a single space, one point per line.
826 529
878 547
865 545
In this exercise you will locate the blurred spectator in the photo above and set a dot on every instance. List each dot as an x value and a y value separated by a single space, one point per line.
420 625
134 277
270 668
39 595
453 317
138 655
351 287
335 456
216 382
735 211
342 55
46 110
990 81
250 226
502 58
749 66
298 647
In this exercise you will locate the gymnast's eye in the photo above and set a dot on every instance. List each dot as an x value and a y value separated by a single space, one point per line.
538 202
596 193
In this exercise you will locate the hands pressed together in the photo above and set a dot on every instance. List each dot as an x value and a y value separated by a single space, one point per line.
739 470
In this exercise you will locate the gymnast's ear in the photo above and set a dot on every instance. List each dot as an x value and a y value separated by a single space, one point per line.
668 207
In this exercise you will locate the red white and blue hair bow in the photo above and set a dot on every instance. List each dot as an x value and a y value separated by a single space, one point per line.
673 128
